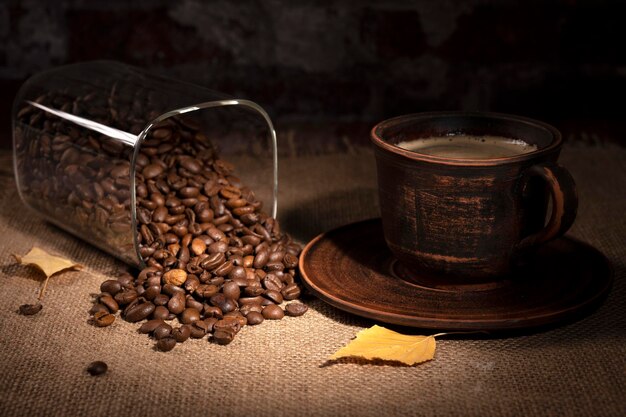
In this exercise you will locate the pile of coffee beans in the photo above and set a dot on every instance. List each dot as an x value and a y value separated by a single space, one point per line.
214 260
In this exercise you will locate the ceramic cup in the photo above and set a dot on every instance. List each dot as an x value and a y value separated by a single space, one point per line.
455 221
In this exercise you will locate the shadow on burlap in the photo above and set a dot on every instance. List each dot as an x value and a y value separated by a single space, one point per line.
280 367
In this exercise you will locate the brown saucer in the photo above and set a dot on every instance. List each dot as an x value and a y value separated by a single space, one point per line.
352 269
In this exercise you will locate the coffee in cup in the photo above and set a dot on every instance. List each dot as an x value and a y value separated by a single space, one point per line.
464 196
468 146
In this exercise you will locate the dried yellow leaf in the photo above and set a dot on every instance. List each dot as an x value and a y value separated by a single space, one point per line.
48 264
380 343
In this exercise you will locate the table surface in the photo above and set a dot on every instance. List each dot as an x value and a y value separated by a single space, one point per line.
281 367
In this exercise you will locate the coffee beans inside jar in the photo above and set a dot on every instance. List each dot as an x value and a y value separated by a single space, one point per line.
212 256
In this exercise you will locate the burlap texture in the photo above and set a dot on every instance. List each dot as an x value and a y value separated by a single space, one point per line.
280 367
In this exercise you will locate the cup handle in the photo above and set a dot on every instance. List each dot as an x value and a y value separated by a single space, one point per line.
564 203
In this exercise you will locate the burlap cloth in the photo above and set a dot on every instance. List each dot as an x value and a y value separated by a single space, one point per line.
280 368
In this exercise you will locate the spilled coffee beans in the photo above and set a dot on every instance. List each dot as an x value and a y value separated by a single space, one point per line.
214 260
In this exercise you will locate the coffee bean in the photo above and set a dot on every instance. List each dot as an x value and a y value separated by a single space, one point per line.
30 309
206 290
139 312
161 300
290 261
198 246
152 171
96 308
181 333
111 286
193 303
150 325
224 336
125 297
291 291
255 318
152 292
103 319
97 368
231 290
161 331
177 302
273 312
272 282
274 296
198 329
109 302
189 315
296 309
166 344
160 313
261 259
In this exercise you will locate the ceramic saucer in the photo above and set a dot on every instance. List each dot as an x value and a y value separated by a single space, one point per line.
352 269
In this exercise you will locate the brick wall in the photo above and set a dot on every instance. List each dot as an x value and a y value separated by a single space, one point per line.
343 61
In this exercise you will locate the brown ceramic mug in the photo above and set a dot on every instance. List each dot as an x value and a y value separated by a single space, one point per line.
461 219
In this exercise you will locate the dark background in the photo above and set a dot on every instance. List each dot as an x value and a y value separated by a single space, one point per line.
338 67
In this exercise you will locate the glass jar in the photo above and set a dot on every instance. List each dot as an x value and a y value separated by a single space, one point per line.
96 143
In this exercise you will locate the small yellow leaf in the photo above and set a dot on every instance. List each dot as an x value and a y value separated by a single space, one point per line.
48 264
380 343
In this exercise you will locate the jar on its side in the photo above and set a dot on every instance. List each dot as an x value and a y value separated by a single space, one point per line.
92 142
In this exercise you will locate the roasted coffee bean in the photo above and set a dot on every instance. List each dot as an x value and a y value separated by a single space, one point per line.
229 322
97 368
125 297
261 259
139 312
237 273
212 311
255 318
111 286
198 246
231 290
170 289
161 300
224 269
250 300
273 312
166 344
160 313
152 292
213 261
31 309
274 296
218 247
206 290
181 333
161 331
290 261
177 302
150 325
109 302
253 291
125 279
189 315
274 266
224 336
291 291
152 171
272 282
96 307
199 329
296 309
193 303
103 319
